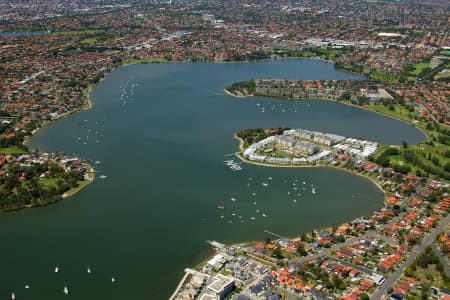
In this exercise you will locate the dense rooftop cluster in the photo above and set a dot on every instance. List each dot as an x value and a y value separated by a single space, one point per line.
402 49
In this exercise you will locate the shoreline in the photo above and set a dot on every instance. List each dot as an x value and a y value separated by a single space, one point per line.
243 159
427 137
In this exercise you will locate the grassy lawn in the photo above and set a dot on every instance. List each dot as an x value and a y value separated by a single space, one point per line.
420 67
12 151
422 151
89 41
442 75
431 276
48 182
73 191
74 32
399 112
143 61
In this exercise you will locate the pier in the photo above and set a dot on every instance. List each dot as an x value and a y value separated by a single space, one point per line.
216 244
274 234
231 154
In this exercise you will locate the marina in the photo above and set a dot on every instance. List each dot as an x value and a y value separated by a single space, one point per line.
235 166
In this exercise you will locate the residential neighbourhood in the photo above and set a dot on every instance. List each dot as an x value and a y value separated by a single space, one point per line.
53 54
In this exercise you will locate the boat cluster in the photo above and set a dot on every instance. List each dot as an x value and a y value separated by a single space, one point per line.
235 166
92 134
65 289
296 188
281 107
127 91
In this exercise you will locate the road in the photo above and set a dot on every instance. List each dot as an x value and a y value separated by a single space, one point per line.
358 268
327 251
428 240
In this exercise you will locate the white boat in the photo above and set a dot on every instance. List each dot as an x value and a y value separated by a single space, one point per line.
98 162
13 296
254 203
270 178
264 215
27 286
103 176
295 201
257 211
253 218
254 194
66 290
89 270
56 270
313 191
265 184
113 280
233 199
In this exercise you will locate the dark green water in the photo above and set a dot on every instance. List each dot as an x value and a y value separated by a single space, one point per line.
163 151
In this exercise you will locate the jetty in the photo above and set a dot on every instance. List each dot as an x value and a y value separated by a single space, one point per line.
187 272
216 244
274 234
231 154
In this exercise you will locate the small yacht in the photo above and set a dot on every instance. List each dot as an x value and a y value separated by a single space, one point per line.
265 184
66 290
103 176
233 199
264 215
56 270
313 191
113 280
27 286
253 218
89 270
13 296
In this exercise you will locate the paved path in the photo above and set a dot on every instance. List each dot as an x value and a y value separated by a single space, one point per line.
187 272
428 240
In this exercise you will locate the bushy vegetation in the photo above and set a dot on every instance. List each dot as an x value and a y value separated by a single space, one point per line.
23 186
245 87
251 136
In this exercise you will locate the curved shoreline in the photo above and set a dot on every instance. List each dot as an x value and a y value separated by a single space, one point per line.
427 138
243 159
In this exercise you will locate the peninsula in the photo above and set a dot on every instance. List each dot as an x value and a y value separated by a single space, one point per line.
367 257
